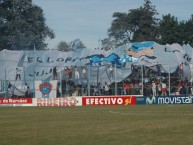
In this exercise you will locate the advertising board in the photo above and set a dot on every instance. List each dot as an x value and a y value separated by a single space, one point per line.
182 99
108 100
67 101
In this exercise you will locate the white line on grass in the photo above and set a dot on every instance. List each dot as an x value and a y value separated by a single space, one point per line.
150 113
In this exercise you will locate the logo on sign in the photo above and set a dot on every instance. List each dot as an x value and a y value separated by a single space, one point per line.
45 88
150 100
128 101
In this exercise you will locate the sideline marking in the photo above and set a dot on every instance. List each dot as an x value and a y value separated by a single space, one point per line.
150 113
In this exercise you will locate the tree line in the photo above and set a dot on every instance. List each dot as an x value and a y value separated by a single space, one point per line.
141 24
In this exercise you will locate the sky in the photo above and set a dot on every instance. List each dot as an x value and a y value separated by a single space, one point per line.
89 20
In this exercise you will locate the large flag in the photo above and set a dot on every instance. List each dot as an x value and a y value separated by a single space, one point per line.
45 89
38 65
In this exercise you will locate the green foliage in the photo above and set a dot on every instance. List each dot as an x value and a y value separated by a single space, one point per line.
63 46
146 22
22 24
136 25
80 45
186 33
119 30
173 31
141 25
168 28
108 43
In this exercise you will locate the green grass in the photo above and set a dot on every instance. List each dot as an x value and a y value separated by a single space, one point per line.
115 125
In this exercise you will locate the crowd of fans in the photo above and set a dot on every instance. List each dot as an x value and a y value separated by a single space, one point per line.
154 83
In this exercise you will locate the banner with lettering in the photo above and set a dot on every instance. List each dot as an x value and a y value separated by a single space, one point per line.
25 67
108 100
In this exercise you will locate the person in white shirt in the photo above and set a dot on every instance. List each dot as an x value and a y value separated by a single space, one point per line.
163 88
106 88
153 88
77 76
110 71
83 72
18 73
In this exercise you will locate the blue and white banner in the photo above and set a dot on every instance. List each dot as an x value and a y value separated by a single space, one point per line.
45 89
25 67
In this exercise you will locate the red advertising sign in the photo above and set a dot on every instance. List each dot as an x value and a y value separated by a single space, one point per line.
104 101
16 101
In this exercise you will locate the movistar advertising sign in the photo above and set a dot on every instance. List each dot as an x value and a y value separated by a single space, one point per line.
185 99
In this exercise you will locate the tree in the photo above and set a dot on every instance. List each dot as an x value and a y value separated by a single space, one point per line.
120 30
146 22
137 25
173 31
80 45
22 25
63 46
187 31
107 43
168 29
76 44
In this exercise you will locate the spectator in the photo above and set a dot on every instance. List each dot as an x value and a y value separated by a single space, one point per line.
18 74
95 92
159 88
77 76
181 69
83 72
191 90
111 71
69 72
80 90
99 88
106 88
183 90
54 73
126 88
158 70
164 88
27 90
186 81
131 86
58 90
153 88
136 88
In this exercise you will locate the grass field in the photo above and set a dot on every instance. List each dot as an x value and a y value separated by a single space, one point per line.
115 125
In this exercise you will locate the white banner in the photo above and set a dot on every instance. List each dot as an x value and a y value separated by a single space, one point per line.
66 101
25 67
45 89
